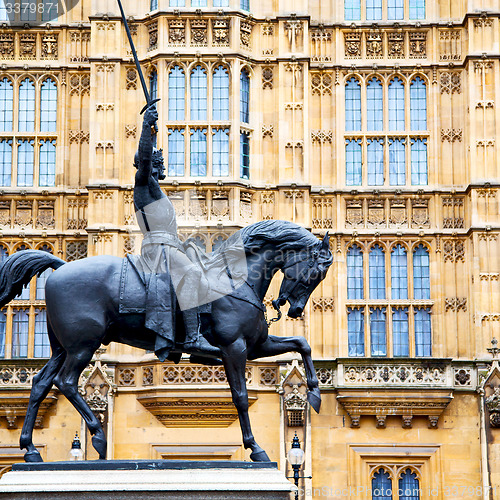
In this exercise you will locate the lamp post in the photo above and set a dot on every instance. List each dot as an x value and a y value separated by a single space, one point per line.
296 458
76 453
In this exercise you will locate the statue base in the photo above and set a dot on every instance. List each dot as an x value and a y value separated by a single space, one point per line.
145 479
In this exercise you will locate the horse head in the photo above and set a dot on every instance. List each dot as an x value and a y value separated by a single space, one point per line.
303 270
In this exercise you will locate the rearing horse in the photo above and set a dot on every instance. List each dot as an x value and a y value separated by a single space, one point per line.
82 299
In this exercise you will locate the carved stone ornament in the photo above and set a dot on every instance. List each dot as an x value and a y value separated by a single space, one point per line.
267 77
220 204
176 32
376 212
131 82
354 212
374 48
27 46
79 84
352 43
220 32
24 215
418 40
49 46
397 213
45 217
450 82
420 212
6 46
199 35
396 45
153 35
321 83
295 404
245 35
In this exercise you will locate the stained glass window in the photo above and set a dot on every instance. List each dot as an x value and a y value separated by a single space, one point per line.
199 94
175 151
176 91
220 109
220 153
199 152
6 105
352 105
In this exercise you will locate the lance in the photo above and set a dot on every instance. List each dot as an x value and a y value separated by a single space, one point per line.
145 89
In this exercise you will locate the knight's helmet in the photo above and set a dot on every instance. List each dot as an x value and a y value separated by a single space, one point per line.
157 159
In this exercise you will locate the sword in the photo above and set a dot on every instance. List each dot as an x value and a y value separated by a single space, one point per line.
145 89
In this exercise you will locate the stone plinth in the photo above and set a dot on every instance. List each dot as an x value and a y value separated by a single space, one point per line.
145 479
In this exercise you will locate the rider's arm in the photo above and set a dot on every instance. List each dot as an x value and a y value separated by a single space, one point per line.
146 147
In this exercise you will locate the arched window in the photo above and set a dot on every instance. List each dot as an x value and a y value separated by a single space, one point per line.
175 151
409 487
3 323
423 331
419 162
375 162
244 155
20 329
373 10
353 162
377 331
47 163
199 152
26 106
42 344
48 106
354 273
217 242
352 10
352 105
176 92
400 336
397 162
356 331
395 10
374 105
220 152
377 272
399 273
396 105
25 160
199 93
418 104
417 9
421 274
153 84
199 242
381 485
5 162
6 105
220 110
245 96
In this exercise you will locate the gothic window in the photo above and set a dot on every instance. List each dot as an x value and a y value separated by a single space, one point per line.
396 105
354 273
419 162
26 106
42 344
5 162
400 331
153 5
20 332
198 152
244 96
352 10
409 486
25 161
199 93
220 106
6 105
353 162
244 155
418 104
40 284
47 175
176 91
353 105
423 331
381 485
399 273
417 9
377 331
3 11
153 85
177 3
217 242
220 152
377 273
421 274
3 253
28 11
397 162
395 10
356 331
48 106
3 324
245 4
175 151
375 162
374 105
373 10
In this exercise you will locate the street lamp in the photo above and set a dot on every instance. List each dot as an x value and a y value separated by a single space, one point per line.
296 458
76 453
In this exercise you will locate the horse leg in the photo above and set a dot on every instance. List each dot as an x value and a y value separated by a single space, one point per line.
234 358
281 345
42 383
67 382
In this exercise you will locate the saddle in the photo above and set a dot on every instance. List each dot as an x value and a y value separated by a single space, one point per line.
133 284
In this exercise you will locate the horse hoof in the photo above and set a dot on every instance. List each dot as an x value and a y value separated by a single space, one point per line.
32 456
314 398
100 446
259 456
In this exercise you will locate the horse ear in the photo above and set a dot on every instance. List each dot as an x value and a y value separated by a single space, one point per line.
326 242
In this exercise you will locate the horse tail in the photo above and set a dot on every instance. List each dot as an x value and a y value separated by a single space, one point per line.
17 270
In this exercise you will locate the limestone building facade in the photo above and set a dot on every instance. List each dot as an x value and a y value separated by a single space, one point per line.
374 120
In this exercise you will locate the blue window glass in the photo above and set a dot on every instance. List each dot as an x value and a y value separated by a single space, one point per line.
25 160
50 10
421 274
176 92
153 84
245 97
396 105
377 331
352 105
220 107
356 331
40 284
42 344
3 322
352 10
373 10
217 242
374 105
381 485
353 165
6 105
47 163
199 152
5 162
27 10
409 487
418 104
423 332
419 162
399 273
221 3
397 162
377 272
375 162
20 328
245 4
48 106
153 5
176 151
220 152
400 332
198 3
3 11
355 273
177 3
395 10
199 93
244 155
26 106
417 9
3 253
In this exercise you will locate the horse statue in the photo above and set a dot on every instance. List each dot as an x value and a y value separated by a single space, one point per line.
82 299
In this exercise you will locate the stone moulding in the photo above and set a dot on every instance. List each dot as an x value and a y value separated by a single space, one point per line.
14 403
